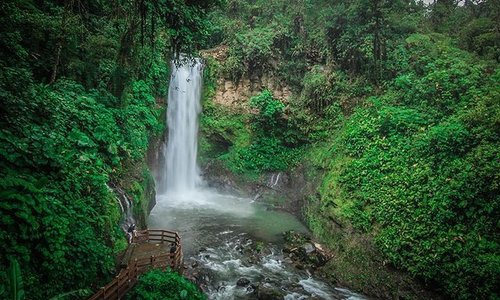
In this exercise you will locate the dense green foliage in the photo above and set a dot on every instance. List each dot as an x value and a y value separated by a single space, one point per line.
266 148
398 104
418 166
79 86
164 285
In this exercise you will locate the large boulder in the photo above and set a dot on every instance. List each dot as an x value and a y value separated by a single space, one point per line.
305 253
269 293
243 282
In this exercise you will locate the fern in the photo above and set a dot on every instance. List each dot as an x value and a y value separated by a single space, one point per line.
15 281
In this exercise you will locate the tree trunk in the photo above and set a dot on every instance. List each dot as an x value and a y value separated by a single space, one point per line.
377 53
56 62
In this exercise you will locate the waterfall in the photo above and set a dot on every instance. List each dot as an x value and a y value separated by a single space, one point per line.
274 180
182 172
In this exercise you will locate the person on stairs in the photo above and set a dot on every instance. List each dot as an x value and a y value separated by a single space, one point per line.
131 233
173 248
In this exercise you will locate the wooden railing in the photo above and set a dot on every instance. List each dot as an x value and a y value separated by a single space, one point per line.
128 276
156 236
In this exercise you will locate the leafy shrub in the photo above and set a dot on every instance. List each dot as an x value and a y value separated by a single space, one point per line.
267 150
270 109
267 143
264 154
168 285
318 92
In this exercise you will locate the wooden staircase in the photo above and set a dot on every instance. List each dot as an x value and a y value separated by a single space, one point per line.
149 249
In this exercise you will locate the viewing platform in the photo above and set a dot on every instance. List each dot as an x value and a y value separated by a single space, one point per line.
149 249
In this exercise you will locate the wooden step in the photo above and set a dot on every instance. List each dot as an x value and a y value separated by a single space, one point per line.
128 254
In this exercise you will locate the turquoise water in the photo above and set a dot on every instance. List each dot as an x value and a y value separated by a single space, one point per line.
200 215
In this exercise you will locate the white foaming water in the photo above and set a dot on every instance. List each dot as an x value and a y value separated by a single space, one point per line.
315 288
182 173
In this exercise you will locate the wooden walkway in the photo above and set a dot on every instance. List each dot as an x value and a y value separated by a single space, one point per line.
149 249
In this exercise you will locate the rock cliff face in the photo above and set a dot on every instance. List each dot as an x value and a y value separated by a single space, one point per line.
235 95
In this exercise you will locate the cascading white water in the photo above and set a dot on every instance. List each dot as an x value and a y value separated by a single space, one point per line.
182 173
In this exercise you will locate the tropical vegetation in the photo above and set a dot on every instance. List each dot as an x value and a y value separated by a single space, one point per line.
393 115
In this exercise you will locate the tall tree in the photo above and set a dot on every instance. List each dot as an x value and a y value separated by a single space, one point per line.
359 33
